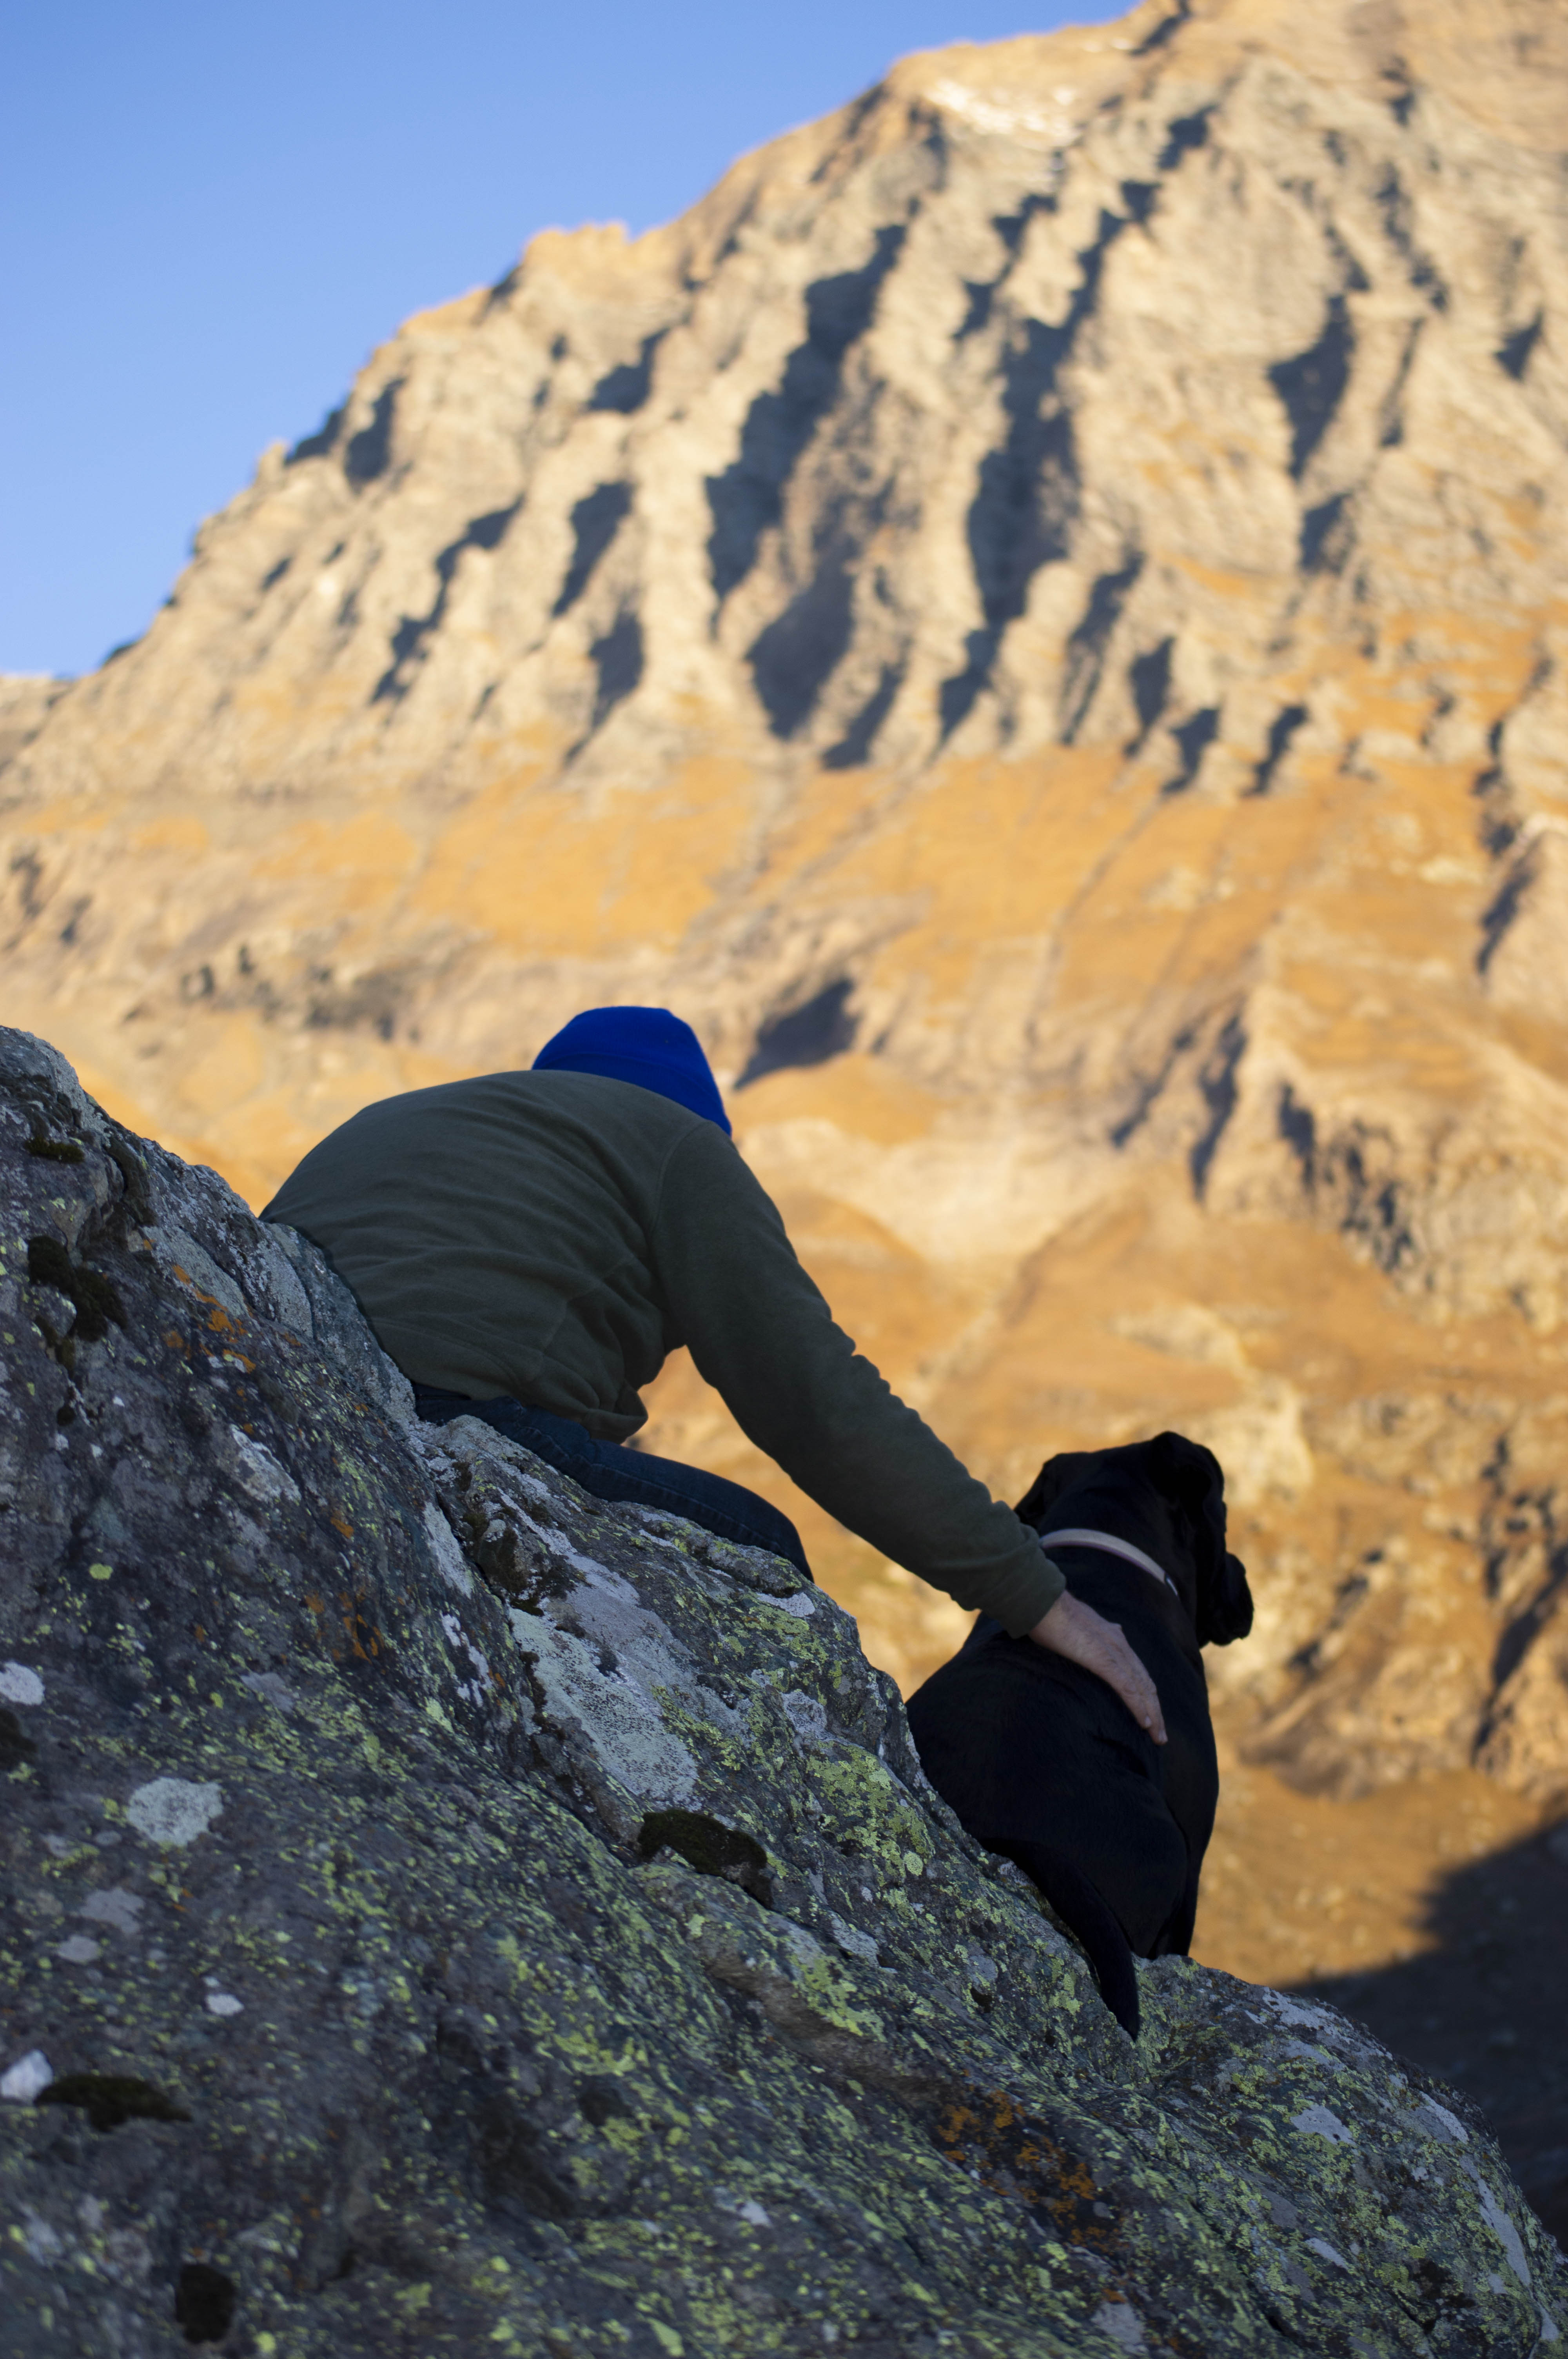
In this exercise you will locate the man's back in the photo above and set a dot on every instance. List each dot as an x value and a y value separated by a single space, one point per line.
498 1233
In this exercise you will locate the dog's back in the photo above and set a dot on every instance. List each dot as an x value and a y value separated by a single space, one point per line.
1042 1761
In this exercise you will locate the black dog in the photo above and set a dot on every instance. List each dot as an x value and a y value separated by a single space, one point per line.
1041 1760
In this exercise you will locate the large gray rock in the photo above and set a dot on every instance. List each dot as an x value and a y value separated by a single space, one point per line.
445 1912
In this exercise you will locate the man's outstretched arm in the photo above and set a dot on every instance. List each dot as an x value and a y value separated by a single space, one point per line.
762 1334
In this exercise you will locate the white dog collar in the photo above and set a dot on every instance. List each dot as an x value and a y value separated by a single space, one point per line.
1112 1546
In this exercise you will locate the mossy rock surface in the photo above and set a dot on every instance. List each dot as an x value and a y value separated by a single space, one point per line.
460 1917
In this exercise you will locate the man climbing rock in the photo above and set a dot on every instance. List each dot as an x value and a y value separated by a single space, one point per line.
529 1247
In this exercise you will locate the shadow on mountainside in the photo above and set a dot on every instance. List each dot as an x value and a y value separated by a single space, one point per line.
1486 2009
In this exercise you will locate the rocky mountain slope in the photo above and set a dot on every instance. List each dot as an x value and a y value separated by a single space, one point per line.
444 1913
1036 616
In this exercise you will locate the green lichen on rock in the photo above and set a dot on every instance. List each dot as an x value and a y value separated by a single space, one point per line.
457 1915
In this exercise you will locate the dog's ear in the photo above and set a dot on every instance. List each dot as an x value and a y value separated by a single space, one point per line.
1048 1486
1194 1476
1228 1614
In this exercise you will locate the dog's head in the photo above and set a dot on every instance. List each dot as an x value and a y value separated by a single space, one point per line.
1168 1497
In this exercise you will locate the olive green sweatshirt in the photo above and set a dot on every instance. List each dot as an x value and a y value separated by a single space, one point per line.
553 1235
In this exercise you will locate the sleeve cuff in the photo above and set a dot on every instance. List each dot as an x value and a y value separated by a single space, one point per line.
1027 1596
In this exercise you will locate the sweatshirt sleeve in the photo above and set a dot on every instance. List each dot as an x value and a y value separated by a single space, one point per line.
763 1336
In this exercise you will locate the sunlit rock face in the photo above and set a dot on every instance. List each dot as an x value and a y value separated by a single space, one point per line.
443 1913
1036 616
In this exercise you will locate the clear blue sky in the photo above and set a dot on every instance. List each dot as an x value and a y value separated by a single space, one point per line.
210 214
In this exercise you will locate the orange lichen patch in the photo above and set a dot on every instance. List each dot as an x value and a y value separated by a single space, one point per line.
364 1637
1010 2150
340 1523
217 1318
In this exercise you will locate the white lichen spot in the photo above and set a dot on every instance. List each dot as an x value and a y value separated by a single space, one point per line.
19 1685
806 1715
223 2003
262 1475
1313 2055
273 1688
1503 2228
26 2078
449 1559
115 1906
173 1810
44 2244
475 1690
1324 2250
753 2214
600 1576
1438 2121
803 1604
78 1950
1549 2329
1121 2323
1300 2017
854 1942
806 1949
616 1714
587 1568
1316 2121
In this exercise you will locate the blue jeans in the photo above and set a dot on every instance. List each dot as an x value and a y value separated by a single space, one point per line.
630 1477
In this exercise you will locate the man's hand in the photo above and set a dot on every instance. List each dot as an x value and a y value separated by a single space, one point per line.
1076 1630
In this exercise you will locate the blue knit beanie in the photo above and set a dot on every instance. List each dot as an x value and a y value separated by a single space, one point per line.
645 1045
